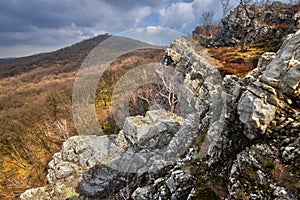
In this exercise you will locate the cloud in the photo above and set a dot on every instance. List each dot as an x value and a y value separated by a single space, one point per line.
123 4
153 35
58 23
19 15
176 15
52 24
184 16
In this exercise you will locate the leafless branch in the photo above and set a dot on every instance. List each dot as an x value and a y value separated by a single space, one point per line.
226 7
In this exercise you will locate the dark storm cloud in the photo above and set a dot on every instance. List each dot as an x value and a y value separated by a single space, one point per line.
21 20
31 13
29 26
51 14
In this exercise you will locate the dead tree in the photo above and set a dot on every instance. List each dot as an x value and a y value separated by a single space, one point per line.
226 7
145 98
253 13
170 86
246 27
162 95
207 21
207 17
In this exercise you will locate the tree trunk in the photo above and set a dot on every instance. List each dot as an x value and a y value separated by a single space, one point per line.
244 43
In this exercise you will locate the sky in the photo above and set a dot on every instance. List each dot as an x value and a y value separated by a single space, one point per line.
33 26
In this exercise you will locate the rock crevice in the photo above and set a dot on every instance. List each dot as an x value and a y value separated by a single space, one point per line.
249 138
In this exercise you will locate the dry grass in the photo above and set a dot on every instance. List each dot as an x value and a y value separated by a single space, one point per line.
109 79
230 60
26 110
35 111
35 105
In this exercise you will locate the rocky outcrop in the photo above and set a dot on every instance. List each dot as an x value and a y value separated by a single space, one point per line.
265 109
271 22
152 145
237 138
82 155
259 140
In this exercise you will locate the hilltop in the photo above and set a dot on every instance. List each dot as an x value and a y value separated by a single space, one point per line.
64 60
232 133
260 28
35 109
236 138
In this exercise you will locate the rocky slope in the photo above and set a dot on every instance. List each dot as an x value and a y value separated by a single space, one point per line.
270 23
36 109
260 149
250 149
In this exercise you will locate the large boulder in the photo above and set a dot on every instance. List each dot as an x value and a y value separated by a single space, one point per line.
255 112
88 163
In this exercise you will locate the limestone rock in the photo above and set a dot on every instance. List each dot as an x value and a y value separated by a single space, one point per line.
142 194
265 59
296 19
251 146
33 193
255 112
262 27
138 127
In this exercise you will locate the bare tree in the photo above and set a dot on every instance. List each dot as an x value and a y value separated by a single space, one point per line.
252 14
207 17
226 7
246 27
207 21
163 95
149 94
170 85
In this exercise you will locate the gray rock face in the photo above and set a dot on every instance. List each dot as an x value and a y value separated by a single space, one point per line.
251 125
84 160
256 170
255 112
262 28
283 72
247 161
165 139
139 127
264 102
296 18
173 188
265 60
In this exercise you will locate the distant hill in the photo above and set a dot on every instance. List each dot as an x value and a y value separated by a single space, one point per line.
35 109
8 58
72 56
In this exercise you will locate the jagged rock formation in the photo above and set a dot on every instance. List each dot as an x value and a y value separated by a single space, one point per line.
251 150
271 22
82 153
266 115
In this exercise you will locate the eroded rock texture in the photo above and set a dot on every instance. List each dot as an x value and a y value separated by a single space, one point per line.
250 149
273 21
